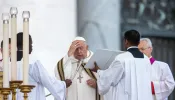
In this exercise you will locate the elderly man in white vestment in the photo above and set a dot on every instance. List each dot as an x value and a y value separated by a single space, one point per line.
162 79
127 78
71 67
38 76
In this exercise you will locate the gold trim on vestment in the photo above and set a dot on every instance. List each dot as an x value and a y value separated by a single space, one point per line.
88 71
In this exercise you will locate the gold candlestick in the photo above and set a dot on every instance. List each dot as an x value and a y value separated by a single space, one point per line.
14 85
5 92
26 89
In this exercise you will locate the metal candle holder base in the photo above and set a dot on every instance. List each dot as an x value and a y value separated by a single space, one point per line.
14 85
26 89
5 92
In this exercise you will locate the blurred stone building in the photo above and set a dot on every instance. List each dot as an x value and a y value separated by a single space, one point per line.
103 22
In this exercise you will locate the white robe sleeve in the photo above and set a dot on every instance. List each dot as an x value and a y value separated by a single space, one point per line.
165 86
40 75
56 73
109 77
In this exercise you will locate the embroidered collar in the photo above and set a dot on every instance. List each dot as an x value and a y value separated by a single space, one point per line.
132 47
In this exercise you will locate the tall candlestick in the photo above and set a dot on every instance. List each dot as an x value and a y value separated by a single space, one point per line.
13 12
26 16
5 18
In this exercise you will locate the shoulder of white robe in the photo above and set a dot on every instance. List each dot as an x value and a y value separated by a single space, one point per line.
162 63
32 59
124 55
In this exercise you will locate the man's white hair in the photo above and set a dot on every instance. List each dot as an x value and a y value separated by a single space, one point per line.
149 43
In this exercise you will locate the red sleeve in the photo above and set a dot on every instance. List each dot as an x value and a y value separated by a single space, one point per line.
152 88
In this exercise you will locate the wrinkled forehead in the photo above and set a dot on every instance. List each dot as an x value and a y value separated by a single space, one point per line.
143 43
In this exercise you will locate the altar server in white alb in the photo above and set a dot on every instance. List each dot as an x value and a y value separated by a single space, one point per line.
128 77
38 76
162 81
71 67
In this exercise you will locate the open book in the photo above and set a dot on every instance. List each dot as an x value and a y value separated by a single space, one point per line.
103 58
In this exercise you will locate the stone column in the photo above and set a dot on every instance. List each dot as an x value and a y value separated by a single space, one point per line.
99 23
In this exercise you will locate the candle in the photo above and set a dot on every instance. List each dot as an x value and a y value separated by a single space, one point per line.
13 12
26 16
5 18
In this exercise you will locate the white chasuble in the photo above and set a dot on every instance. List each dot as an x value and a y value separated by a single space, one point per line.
74 70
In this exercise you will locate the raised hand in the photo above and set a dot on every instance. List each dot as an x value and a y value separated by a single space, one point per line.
73 47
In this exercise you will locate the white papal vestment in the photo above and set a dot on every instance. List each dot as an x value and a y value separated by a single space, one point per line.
79 90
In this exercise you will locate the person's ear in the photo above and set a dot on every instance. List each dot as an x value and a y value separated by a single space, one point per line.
151 48
126 42
87 47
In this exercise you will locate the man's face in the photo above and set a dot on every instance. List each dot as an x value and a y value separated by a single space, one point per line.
81 52
9 50
144 48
